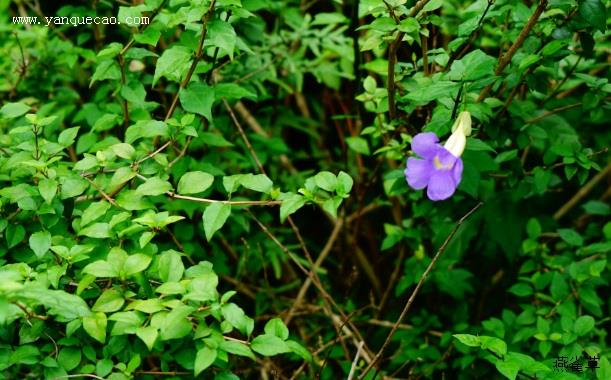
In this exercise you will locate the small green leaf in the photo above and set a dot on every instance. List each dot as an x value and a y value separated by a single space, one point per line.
172 63
148 335
136 263
358 144
204 359
269 345
594 12
100 268
171 267
95 326
195 182
468 340
258 182
198 98
47 189
276 327
237 348
326 181
40 242
290 204
94 211
493 344
154 186
584 325
570 236
215 217
13 110
66 138
109 301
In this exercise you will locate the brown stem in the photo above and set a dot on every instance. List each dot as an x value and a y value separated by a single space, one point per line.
423 277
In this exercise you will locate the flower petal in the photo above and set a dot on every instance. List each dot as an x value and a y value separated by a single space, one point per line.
457 171
441 186
425 144
418 172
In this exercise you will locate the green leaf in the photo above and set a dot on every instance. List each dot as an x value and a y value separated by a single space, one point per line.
215 217
299 350
172 63
290 204
594 12
154 186
14 235
124 150
148 335
13 110
66 138
326 181
521 290
276 327
344 183
604 370
195 182
198 98
473 66
204 359
40 242
358 144
258 182
493 344
144 129
171 267
96 231
570 236
584 325
47 189
176 325
269 345
94 211
222 35
109 301
237 348
236 317
232 91
468 340
69 358
136 263
95 326
509 368
101 268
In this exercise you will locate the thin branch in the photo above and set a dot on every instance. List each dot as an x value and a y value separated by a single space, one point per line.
416 290
506 58
355 361
585 190
243 135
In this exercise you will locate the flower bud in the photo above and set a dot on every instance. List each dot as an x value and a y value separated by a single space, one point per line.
463 122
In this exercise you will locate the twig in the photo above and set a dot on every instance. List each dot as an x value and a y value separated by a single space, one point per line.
106 196
243 135
423 277
585 190
355 361
506 58
323 254
552 112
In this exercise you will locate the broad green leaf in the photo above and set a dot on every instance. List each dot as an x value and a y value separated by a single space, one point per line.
109 301
94 211
237 348
171 267
40 242
236 317
95 326
358 144
594 12
584 325
326 181
136 263
172 63
204 359
101 268
175 324
269 345
290 204
148 335
198 98
468 340
194 182
570 236
145 129
215 217
47 189
13 110
69 358
222 35
493 344
473 66
154 186
276 327
96 231
257 182
67 136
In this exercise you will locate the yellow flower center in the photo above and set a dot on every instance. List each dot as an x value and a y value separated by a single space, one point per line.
439 165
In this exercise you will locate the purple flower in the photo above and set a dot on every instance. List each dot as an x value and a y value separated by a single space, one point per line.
438 169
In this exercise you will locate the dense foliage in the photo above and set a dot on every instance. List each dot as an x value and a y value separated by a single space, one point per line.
220 192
